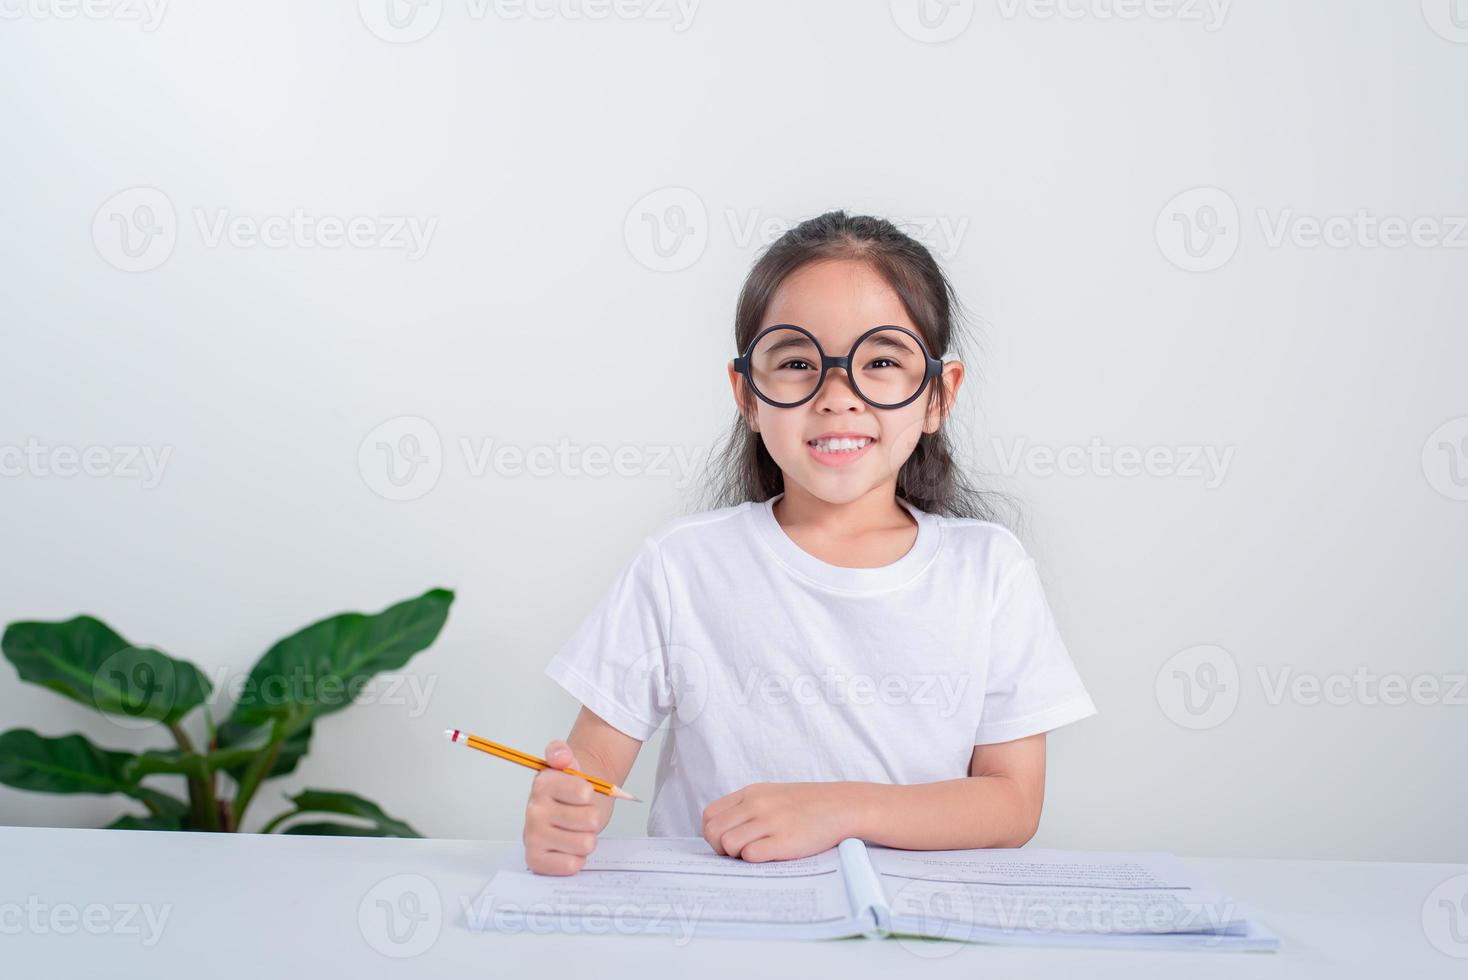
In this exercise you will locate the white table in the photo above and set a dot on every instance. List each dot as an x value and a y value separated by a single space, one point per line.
125 904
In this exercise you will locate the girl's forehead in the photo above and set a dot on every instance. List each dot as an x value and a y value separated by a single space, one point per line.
837 300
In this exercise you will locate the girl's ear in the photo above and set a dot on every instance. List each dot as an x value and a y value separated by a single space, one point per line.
743 399
940 406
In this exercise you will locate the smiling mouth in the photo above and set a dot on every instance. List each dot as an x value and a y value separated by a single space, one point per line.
841 445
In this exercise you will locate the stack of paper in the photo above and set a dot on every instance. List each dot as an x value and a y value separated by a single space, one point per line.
678 886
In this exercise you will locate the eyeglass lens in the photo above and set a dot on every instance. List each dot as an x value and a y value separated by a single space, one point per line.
886 368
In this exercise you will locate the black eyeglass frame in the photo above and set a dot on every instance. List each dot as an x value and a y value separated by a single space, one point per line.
932 370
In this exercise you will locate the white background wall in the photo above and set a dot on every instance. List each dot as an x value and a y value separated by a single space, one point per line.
1042 154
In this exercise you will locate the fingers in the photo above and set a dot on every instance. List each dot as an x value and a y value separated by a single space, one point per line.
716 827
563 788
553 863
561 818
716 810
574 842
560 756
555 851
578 819
761 849
722 803
738 841
558 786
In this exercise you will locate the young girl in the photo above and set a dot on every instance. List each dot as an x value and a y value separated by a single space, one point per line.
847 647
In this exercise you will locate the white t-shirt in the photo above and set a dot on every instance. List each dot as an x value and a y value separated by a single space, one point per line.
771 665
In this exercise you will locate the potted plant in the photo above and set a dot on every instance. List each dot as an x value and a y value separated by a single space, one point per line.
301 679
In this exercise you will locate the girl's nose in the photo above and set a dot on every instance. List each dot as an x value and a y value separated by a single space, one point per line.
836 393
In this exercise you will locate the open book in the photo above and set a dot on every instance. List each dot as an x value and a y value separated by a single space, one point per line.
678 886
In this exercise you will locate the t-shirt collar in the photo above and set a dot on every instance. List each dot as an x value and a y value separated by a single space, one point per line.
880 579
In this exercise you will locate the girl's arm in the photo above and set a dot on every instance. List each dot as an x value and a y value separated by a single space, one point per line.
997 805
564 814
604 752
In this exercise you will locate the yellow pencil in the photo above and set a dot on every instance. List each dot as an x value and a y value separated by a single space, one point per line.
531 762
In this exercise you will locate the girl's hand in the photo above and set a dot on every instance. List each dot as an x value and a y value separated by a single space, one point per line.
781 821
563 817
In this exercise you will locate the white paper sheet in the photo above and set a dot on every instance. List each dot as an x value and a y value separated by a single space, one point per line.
1031 894
679 887
672 886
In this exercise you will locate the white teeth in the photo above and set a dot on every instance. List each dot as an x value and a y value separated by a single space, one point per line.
839 445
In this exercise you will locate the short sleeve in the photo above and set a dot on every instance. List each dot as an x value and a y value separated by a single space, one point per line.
1032 685
615 663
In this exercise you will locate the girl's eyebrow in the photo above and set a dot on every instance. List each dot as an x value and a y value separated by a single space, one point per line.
780 345
880 340
886 340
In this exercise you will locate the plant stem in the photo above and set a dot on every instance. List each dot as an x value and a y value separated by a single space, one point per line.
181 737
257 770
211 802
203 808
223 814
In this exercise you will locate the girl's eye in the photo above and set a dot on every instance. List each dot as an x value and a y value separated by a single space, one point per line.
797 364
884 361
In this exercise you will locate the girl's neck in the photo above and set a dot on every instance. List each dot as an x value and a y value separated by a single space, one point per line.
876 510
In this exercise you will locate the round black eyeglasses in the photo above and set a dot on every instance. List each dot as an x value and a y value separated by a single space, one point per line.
888 366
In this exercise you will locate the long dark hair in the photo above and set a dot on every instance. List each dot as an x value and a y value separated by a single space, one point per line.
741 468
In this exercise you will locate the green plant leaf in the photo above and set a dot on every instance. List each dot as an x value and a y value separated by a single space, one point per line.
243 741
174 762
323 667
162 804
69 764
83 659
146 823
343 804
328 829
